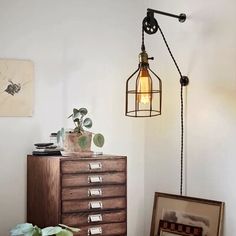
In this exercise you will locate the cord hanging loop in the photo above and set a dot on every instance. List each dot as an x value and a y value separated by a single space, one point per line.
150 26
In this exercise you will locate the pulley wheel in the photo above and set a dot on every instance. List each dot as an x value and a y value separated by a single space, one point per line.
150 25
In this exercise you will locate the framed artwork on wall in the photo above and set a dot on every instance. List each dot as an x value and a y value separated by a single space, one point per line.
16 87
186 211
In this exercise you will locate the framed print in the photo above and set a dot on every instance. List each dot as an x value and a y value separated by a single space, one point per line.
167 228
16 87
197 212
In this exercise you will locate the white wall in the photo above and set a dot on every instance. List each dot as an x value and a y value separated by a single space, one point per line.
83 52
80 49
205 49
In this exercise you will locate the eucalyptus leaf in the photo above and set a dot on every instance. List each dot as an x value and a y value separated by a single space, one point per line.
51 230
70 228
98 140
28 229
83 141
88 123
65 232
25 226
16 231
31 233
83 111
22 229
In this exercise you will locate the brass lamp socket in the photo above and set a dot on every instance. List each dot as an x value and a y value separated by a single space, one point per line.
143 58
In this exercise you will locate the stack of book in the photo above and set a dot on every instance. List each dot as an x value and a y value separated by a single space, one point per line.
46 149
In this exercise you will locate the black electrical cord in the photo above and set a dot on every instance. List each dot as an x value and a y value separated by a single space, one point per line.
151 26
181 111
143 45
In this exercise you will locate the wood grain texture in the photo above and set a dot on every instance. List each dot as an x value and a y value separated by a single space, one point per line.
83 205
113 229
93 157
83 166
72 180
80 219
58 192
43 191
83 192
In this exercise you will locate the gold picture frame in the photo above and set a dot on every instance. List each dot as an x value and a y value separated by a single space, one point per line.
192 211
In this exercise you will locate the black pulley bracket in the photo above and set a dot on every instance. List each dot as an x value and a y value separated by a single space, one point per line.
150 25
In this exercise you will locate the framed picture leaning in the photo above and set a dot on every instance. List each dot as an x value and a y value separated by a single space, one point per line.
191 211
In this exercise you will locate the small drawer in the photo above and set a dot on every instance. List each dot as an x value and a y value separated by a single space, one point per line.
103 229
88 218
93 192
93 205
72 180
93 166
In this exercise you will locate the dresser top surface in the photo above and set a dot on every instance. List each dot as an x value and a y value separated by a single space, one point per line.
71 158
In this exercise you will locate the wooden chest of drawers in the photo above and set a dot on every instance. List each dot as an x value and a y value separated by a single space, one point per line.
88 193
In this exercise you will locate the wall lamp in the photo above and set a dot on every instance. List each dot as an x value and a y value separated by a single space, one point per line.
144 86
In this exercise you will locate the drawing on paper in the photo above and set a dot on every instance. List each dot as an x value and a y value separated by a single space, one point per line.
13 88
16 87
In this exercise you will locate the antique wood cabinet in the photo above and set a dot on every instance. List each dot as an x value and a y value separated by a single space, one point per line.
88 193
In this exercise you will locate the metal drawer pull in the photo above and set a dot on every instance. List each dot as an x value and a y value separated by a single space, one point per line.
95 205
94 192
95 231
95 166
95 179
95 218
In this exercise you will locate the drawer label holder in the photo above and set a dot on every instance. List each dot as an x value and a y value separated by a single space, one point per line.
95 205
95 165
95 179
95 231
95 218
94 192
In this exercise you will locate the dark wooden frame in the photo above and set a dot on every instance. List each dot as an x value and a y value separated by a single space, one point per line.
179 229
193 200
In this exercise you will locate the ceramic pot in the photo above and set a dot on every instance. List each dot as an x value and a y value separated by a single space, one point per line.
71 142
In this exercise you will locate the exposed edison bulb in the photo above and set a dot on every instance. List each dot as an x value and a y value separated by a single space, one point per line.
144 86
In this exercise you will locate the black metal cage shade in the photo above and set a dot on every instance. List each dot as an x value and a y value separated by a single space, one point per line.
151 106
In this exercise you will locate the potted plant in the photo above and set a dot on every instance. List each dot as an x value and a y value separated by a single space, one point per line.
79 140
28 229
